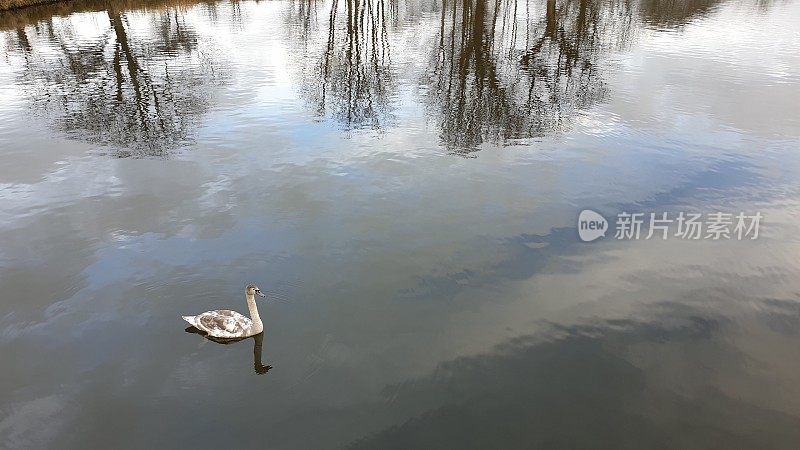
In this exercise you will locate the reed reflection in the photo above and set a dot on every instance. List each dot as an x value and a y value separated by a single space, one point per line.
139 94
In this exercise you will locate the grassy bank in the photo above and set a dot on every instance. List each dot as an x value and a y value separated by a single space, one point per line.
29 12
13 4
19 13
10 5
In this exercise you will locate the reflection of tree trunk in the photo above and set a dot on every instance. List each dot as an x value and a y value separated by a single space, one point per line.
476 48
550 31
133 67
118 72
328 53
549 34
352 73
22 37
49 29
580 25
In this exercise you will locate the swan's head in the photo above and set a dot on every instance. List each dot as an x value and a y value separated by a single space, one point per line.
252 289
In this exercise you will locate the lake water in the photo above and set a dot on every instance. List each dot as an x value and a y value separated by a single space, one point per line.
403 179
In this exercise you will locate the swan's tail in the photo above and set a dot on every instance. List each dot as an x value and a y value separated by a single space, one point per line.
189 319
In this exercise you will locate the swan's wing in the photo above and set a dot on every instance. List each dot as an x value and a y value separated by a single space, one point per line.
223 323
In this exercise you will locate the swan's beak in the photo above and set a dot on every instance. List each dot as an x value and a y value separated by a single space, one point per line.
259 293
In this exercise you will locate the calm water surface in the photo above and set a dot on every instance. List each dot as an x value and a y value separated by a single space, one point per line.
403 178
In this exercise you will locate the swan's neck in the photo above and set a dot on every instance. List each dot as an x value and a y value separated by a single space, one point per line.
251 305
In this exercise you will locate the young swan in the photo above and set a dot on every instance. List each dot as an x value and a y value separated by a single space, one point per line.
227 324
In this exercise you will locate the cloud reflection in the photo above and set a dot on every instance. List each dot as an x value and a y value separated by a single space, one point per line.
597 385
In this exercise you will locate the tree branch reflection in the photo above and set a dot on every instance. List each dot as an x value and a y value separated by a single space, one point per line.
139 96
351 80
500 73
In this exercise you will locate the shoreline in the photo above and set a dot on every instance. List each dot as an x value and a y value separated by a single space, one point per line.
11 5
28 12
38 8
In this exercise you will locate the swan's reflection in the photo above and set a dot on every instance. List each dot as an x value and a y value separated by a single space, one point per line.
258 344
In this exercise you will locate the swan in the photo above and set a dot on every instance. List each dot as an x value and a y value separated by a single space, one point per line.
227 324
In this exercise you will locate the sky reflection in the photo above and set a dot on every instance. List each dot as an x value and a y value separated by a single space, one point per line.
160 156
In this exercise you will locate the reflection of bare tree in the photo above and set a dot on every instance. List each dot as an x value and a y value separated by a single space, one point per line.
498 74
350 81
301 17
139 96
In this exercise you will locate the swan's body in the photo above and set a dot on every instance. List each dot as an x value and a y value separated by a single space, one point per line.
227 324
